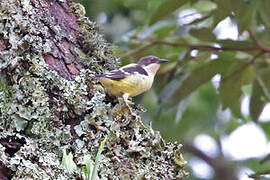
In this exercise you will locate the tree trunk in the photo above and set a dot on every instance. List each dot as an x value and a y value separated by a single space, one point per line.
50 102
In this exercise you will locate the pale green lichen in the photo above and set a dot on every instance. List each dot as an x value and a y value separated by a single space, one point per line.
49 113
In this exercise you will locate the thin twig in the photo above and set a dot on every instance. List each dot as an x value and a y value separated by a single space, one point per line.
257 47
257 43
188 46
205 47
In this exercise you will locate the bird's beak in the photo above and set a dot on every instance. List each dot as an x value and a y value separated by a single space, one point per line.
162 61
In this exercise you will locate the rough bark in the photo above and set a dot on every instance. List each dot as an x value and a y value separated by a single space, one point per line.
49 52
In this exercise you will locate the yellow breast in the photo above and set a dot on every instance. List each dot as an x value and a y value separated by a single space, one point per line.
132 85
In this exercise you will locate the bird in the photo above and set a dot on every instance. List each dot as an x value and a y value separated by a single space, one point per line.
132 79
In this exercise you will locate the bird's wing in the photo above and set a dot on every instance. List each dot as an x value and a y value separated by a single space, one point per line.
135 69
113 75
124 72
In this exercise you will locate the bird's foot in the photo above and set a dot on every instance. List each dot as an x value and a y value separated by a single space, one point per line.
127 103
126 100
132 112
137 117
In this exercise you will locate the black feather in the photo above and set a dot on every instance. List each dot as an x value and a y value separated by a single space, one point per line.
114 75
122 73
133 69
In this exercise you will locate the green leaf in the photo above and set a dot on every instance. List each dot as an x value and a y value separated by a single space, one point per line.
204 34
218 16
163 26
232 125
230 87
265 159
244 13
257 101
236 110
67 162
181 109
164 32
195 79
264 11
204 6
255 164
165 9
264 81
193 1
235 44
97 160
264 37
266 128
225 6
170 88
235 63
88 168
222 11
200 19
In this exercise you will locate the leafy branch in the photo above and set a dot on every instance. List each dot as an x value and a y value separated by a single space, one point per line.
257 46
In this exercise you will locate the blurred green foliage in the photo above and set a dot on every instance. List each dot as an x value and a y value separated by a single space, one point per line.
183 101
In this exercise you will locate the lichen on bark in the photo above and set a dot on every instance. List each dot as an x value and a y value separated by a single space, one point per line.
49 100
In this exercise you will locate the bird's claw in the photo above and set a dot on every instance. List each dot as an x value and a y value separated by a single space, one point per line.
128 103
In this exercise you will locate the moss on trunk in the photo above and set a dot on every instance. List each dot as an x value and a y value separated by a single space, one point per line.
50 102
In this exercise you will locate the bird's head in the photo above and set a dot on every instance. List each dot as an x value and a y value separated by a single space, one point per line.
151 63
